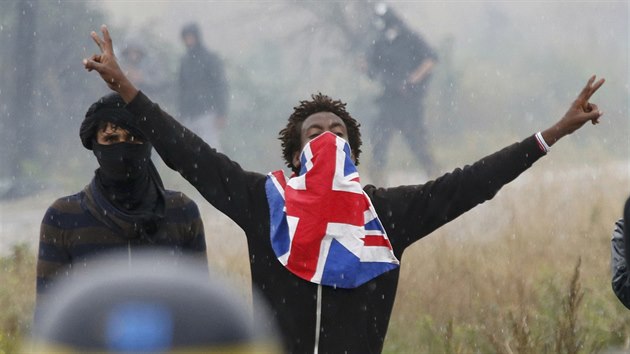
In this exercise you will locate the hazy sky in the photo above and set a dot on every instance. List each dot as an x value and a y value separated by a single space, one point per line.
434 18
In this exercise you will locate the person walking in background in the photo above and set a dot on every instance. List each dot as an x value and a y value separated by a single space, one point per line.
619 257
125 206
324 250
401 61
203 88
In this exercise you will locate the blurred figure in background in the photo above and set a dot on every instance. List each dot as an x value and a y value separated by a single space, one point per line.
402 62
203 88
125 206
619 257
153 305
138 63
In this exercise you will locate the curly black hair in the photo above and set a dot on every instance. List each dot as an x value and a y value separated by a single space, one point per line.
291 138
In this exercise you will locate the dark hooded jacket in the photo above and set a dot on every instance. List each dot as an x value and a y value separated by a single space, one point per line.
314 318
203 87
618 259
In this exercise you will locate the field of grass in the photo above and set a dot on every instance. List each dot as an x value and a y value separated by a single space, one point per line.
527 272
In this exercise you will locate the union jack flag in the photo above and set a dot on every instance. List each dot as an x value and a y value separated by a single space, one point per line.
324 228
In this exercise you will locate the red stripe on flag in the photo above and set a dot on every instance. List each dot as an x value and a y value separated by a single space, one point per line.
372 240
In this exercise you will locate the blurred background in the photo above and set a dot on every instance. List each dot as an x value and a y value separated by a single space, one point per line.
493 280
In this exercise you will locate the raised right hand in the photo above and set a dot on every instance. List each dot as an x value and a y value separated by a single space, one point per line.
107 66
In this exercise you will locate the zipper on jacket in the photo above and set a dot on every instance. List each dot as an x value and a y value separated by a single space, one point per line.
318 319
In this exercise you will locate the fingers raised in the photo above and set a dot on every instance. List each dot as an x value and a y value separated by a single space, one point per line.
105 44
590 89
97 40
107 40
596 87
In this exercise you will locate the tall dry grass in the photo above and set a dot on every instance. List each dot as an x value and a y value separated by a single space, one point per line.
527 272
17 297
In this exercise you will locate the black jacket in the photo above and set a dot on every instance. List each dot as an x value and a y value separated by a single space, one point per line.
619 266
351 320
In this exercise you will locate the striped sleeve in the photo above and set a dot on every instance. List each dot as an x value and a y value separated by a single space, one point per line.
52 253
185 212
60 222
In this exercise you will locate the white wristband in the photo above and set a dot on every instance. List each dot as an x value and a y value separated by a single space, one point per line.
542 143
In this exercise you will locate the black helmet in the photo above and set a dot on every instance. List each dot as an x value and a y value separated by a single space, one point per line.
151 304
385 17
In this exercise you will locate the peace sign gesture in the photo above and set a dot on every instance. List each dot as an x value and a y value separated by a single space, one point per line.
107 66
580 112
585 96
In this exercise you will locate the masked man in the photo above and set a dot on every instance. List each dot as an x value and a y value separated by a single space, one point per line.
125 206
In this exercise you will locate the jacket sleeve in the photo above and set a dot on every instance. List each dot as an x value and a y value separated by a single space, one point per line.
196 246
52 257
618 265
409 213
221 181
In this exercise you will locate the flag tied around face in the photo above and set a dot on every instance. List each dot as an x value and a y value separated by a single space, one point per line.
324 228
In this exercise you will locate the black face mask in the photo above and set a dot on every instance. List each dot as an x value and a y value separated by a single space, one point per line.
123 161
